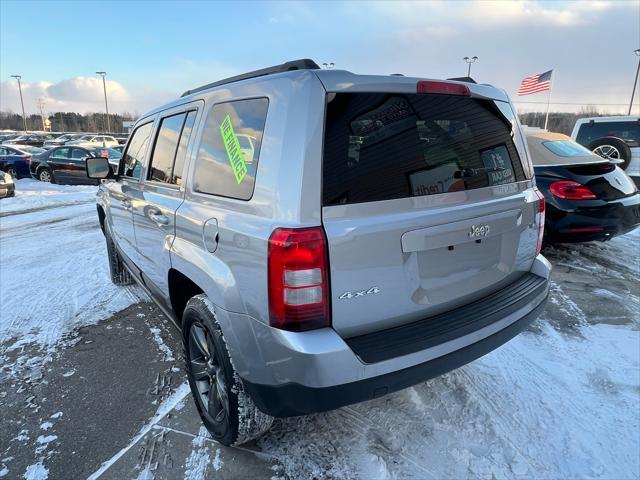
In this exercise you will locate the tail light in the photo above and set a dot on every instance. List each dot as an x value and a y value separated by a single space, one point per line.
298 279
540 216
27 160
570 190
445 88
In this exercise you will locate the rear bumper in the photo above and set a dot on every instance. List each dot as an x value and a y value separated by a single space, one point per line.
297 373
294 399
596 223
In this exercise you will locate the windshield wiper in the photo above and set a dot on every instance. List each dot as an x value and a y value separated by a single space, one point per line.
475 172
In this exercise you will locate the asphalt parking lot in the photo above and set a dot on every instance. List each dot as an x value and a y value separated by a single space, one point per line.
92 381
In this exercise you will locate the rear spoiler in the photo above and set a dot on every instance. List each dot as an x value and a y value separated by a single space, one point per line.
463 79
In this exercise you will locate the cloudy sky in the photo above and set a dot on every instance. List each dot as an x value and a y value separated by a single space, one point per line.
153 51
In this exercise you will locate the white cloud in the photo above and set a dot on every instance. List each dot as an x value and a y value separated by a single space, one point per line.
86 89
78 94
487 14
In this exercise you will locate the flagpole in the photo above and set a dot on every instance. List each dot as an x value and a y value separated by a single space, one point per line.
546 118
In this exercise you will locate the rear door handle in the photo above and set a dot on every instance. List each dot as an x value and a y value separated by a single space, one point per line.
158 217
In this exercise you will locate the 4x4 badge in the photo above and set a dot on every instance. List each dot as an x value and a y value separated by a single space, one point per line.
361 293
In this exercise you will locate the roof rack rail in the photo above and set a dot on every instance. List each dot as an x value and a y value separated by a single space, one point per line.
303 64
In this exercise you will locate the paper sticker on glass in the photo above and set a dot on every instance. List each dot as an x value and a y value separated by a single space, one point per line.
497 159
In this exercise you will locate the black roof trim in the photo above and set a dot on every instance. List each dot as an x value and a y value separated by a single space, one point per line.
303 64
463 79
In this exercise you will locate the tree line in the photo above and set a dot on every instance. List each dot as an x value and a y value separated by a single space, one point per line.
561 122
68 122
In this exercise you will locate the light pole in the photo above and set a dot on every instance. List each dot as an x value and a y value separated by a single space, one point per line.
469 62
635 82
106 105
24 118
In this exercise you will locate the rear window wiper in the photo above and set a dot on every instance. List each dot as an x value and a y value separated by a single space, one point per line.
475 172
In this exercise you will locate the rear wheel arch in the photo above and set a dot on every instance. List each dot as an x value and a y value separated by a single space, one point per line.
101 216
42 168
181 290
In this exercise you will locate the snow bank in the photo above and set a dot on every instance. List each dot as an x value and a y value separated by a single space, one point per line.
54 274
32 194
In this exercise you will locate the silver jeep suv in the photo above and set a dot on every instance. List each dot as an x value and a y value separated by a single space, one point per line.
323 238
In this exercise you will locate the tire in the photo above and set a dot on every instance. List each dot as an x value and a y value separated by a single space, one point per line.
119 274
613 148
230 415
45 175
11 170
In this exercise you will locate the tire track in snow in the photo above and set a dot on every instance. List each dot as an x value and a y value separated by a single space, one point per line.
364 425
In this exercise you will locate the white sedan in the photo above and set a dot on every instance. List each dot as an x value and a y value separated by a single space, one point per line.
94 141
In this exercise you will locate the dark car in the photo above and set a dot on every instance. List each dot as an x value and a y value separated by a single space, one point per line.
62 139
5 137
62 165
33 139
15 162
7 187
588 197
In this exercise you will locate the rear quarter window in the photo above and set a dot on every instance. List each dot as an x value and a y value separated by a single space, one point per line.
381 146
230 148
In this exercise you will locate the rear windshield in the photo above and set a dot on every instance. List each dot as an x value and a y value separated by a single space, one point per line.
590 132
567 148
381 146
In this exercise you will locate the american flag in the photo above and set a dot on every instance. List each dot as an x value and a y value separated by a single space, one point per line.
535 83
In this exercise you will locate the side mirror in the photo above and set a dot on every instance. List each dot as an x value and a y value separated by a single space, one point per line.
99 168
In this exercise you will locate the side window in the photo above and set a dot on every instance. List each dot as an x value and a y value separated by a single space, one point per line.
3 151
164 150
181 154
223 166
134 156
78 153
60 153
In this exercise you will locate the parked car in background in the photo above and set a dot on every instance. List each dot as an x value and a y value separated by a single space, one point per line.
612 137
34 139
94 141
122 139
28 149
8 136
389 232
62 139
14 161
7 186
113 154
588 197
64 165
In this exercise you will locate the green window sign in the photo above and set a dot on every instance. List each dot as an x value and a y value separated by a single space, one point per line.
234 154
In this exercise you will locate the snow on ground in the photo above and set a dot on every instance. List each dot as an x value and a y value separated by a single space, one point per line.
32 194
54 275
